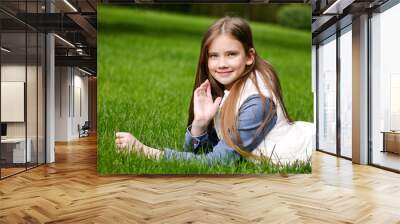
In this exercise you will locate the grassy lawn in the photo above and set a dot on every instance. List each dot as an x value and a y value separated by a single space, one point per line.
146 69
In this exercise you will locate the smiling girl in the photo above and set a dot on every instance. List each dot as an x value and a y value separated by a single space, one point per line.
237 110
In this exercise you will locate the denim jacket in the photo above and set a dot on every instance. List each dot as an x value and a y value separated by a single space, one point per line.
210 149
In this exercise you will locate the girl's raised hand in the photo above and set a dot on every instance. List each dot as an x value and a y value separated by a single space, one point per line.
204 107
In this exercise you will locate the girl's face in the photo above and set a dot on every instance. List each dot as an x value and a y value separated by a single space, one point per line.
227 59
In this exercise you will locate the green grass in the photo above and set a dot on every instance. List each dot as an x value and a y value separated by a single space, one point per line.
146 70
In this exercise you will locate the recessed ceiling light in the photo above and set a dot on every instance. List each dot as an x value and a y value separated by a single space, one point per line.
337 7
71 6
5 50
64 40
84 71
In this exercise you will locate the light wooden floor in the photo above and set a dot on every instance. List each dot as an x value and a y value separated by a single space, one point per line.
70 191
9 171
388 159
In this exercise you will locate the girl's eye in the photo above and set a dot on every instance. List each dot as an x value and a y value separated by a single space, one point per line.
213 56
231 54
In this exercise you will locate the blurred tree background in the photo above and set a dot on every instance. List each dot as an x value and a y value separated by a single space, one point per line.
296 16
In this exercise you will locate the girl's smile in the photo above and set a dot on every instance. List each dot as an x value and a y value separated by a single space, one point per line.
227 59
223 73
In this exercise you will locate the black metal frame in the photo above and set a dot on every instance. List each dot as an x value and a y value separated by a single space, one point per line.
369 115
338 33
316 97
317 94
338 98
44 73
0 94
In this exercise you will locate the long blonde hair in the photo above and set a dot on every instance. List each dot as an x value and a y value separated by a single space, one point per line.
239 29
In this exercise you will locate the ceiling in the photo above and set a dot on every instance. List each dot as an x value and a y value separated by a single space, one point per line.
74 22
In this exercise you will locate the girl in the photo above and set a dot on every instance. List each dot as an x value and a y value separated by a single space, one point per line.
237 110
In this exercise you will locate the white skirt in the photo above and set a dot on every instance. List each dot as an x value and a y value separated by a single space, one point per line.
288 143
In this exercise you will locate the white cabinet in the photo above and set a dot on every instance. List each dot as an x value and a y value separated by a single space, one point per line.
18 149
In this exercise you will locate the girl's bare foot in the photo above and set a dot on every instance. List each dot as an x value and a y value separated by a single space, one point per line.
126 142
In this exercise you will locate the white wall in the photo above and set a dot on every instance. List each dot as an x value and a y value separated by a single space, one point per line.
62 81
80 101
71 87
12 73
33 126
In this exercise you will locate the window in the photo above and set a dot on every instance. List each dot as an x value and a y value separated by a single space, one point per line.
385 88
327 95
346 75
